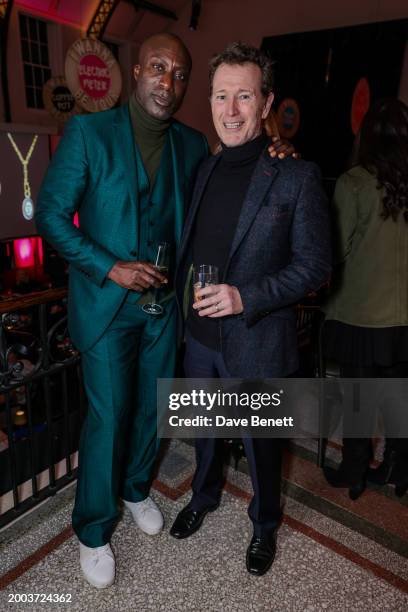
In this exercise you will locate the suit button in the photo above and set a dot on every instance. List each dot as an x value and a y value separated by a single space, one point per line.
133 253
151 223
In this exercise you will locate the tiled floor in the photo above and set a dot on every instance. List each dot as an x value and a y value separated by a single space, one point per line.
333 554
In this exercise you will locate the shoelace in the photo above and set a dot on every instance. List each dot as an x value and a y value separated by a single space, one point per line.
261 546
97 552
148 505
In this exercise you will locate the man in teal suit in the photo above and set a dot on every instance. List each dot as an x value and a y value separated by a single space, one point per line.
128 174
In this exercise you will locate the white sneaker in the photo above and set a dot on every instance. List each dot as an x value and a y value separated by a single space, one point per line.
98 565
146 515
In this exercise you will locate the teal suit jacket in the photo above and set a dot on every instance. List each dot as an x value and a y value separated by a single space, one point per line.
93 172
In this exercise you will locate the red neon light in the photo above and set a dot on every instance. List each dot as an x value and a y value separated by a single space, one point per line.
40 251
24 249
28 252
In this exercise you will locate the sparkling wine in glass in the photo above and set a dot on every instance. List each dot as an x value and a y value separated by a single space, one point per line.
161 263
204 276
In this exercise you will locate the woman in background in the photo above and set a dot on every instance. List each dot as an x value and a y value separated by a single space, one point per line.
366 329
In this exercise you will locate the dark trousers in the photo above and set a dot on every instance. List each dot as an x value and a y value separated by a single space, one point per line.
264 455
357 452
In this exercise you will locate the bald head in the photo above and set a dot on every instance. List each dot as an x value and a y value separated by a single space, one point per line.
162 74
158 40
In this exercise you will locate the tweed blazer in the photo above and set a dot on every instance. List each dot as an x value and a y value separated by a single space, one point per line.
280 253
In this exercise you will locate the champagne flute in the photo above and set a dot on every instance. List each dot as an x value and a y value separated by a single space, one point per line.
204 276
161 263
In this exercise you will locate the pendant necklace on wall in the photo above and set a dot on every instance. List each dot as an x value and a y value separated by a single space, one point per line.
28 204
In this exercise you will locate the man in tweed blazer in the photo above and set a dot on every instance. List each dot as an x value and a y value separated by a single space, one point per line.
265 225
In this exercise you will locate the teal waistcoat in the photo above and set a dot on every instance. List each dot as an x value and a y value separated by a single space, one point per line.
156 214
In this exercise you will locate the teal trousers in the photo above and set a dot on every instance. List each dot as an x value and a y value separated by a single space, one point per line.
119 441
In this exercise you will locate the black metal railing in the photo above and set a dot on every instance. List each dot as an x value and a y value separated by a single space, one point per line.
42 403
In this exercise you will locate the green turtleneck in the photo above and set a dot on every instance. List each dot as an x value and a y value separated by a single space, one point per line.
150 135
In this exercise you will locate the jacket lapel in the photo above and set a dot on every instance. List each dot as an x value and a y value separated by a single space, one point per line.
177 161
125 151
200 185
264 174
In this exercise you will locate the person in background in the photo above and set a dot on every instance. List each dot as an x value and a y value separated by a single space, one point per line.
366 328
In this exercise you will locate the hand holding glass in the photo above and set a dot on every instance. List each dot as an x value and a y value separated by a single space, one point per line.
162 261
204 276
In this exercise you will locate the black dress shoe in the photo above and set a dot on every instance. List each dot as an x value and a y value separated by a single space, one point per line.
339 480
399 478
383 473
401 489
189 521
390 472
261 553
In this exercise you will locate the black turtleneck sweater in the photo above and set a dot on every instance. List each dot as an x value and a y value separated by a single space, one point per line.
217 219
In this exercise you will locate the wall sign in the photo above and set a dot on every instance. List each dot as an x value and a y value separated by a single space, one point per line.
93 75
58 99
288 118
360 104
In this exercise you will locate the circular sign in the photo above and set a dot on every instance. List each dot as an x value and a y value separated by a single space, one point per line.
58 100
288 118
359 104
93 75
